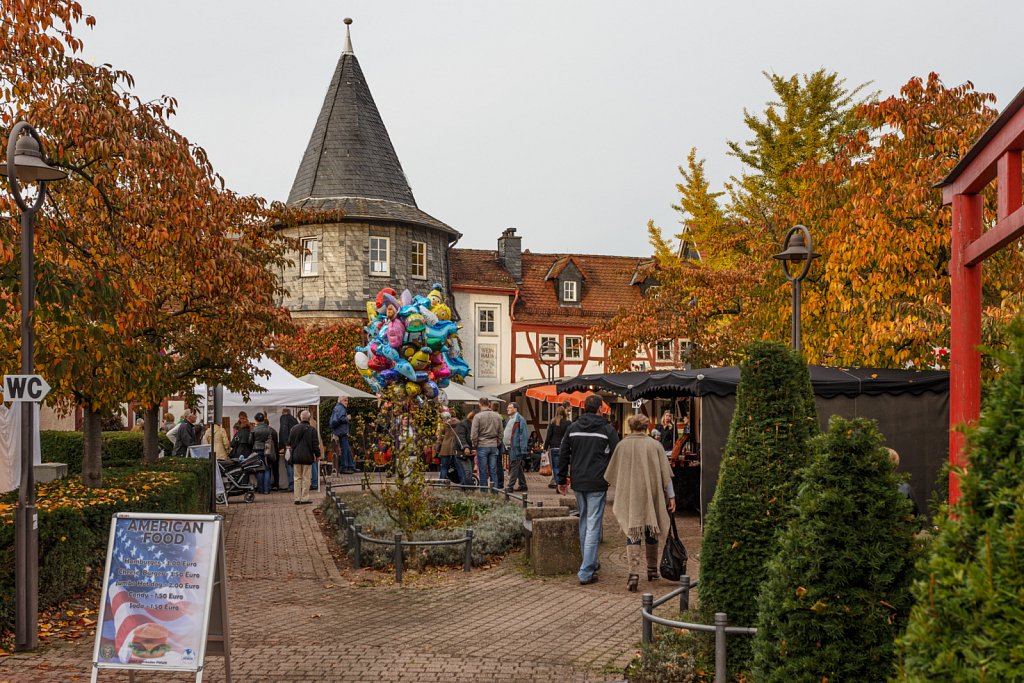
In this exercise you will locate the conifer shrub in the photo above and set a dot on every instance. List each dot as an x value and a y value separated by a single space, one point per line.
765 452
968 620
838 588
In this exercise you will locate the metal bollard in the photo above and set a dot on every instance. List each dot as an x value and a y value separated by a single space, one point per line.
525 496
721 667
358 546
349 528
648 627
467 562
505 491
684 597
362 485
398 558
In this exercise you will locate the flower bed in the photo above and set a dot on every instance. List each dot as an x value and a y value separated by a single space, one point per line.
497 528
74 522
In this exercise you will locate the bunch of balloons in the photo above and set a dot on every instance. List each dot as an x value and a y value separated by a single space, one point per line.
413 345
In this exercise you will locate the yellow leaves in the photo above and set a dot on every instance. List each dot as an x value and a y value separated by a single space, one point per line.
801 592
819 607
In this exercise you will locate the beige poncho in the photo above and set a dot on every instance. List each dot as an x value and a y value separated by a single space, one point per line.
640 473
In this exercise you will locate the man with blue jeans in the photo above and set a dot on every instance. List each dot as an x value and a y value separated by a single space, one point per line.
516 439
339 427
486 435
584 455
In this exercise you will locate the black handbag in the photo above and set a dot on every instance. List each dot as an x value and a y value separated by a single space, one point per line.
673 557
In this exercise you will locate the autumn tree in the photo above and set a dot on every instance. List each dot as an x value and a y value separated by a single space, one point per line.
327 350
729 296
144 258
880 293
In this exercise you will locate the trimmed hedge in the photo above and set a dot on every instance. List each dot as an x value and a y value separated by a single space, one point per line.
119 449
74 523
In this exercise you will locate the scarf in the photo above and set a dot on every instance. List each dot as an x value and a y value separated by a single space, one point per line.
640 473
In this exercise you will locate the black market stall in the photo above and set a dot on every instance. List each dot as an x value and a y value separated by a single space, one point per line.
911 409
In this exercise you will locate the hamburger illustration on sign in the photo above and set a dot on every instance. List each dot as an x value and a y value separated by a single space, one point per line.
149 641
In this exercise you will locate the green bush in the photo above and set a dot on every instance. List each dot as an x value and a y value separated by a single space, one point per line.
764 455
497 528
838 589
968 621
118 449
74 523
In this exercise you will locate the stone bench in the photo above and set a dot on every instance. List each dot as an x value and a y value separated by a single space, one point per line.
50 471
552 540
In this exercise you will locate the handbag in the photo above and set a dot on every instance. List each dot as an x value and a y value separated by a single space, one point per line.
545 464
673 557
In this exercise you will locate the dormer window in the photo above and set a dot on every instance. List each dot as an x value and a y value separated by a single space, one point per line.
570 289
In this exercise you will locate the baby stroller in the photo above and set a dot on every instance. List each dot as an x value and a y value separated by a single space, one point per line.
235 475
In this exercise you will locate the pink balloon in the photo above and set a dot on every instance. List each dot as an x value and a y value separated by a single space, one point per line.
396 333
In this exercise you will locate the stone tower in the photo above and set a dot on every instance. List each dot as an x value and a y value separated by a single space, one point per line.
384 238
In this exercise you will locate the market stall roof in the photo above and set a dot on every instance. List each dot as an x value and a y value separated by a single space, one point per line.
549 394
826 381
330 388
462 393
502 389
281 388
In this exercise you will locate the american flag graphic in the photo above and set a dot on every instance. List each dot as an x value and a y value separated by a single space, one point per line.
154 582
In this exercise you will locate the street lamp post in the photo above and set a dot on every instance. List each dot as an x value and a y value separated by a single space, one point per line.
551 356
796 248
25 162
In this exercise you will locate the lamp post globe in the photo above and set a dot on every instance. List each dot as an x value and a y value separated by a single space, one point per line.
26 163
797 248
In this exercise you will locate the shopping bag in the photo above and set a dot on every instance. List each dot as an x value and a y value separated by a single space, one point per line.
545 464
673 557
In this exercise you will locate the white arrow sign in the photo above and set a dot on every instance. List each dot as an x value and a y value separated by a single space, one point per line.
25 388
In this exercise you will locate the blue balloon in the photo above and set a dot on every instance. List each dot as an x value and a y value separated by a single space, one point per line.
389 376
405 369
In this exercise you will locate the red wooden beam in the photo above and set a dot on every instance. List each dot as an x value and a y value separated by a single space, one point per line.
1009 188
965 331
1006 231
982 169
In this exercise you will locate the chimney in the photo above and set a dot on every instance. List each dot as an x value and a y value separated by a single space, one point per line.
510 253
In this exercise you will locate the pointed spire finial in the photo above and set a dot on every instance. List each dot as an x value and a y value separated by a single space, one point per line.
348 37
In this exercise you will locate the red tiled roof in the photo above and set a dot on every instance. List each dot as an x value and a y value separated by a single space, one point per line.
605 288
478 268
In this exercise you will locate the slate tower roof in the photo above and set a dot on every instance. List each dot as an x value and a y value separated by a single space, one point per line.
350 163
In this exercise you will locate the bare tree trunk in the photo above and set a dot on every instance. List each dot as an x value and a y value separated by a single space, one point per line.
92 457
150 441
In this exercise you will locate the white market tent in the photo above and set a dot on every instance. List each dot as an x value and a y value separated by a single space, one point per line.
329 388
281 388
461 393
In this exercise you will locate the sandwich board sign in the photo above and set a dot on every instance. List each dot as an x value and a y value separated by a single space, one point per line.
164 603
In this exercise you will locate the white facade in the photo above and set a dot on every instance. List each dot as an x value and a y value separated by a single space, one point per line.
486 336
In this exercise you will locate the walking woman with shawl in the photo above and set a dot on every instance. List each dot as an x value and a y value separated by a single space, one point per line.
644 497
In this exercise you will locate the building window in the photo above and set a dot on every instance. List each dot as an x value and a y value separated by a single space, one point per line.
663 351
486 320
574 348
569 291
380 263
310 257
545 341
419 260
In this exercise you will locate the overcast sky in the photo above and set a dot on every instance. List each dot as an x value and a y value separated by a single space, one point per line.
565 120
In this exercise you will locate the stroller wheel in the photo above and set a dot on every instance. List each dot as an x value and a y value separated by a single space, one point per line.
249 497
222 499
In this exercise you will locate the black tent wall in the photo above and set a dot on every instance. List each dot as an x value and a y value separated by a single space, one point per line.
915 425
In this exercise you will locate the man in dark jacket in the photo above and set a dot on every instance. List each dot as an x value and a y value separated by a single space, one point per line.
583 455
186 436
287 422
340 427
305 446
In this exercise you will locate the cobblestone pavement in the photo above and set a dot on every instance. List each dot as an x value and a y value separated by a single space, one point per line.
296 617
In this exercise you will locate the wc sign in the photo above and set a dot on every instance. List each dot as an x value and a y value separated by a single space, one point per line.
25 388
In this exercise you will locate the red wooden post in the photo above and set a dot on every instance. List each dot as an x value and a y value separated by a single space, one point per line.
965 330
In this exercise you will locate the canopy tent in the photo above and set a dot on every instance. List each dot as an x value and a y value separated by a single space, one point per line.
505 389
826 382
329 388
910 407
460 393
281 388
549 394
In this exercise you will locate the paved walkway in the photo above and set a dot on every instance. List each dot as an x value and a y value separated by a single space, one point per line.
296 617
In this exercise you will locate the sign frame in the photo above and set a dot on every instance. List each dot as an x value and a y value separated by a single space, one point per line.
215 611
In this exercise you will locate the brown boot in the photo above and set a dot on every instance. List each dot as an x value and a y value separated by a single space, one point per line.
652 561
633 561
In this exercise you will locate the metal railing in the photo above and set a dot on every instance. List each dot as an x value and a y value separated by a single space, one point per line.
720 628
365 484
354 539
